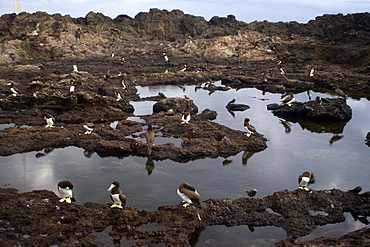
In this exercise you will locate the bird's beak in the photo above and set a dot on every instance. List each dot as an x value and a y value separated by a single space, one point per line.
111 187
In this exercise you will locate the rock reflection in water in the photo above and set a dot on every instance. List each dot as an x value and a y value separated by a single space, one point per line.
236 236
334 230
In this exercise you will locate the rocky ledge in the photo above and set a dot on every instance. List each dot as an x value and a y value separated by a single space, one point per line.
37 218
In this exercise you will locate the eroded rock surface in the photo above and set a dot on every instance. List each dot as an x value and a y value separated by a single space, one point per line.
324 109
37 218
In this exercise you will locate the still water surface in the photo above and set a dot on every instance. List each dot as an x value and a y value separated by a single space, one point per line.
343 164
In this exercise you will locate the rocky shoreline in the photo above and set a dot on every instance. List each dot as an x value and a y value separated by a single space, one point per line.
112 58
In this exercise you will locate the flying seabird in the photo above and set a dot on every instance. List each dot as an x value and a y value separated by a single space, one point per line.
305 179
188 194
75 68
149 137
89 127
251 193
65 190
49 120
289 99
185 118
116 195
340 92
250 129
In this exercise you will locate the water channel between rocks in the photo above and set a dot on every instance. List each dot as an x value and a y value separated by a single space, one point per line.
292 149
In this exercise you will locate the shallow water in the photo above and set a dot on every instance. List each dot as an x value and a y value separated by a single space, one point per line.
343 164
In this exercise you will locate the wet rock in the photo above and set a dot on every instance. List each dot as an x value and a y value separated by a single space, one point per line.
172 224
324 109
237 107
177 104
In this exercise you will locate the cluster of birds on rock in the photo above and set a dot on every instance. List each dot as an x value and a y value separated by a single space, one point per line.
185 191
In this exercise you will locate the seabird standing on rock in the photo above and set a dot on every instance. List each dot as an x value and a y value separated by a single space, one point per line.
317 100
340 92
150 136
312 72
355 190
251 193
161 95
289 99
65 190
117 196
166 59
89 127
250 129
185 118
75 68
118 96
305 179
188 194
14 92
72 87
49 120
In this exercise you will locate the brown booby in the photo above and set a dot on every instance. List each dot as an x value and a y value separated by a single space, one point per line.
89 127
185 118
339 92
65 189
250 129
49 120
117 196
288 99
305 179
188 194
149 137
251 193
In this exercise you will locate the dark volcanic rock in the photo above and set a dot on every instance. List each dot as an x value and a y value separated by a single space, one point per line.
178 105
367 139
322 109
37 218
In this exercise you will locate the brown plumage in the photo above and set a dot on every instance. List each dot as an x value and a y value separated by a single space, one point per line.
340 92
288 99
305 179
149 137
250 129
188 194
251 193
117 195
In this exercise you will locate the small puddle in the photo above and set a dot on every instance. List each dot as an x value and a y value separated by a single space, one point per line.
217 236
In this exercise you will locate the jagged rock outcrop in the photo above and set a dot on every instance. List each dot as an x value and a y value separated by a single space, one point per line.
177 105
37 218
324 109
